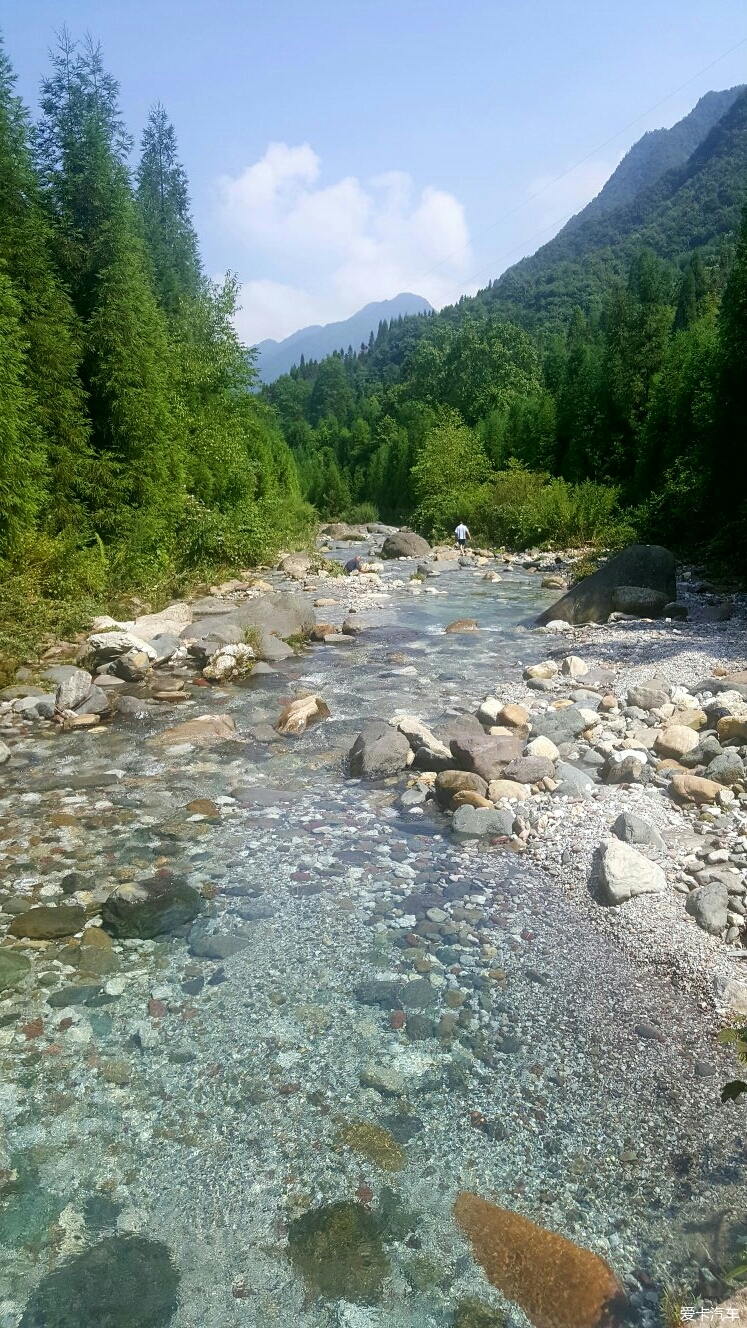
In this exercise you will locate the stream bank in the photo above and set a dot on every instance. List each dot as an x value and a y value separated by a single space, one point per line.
365 1006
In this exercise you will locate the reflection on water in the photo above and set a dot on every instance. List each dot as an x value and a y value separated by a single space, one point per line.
265 1118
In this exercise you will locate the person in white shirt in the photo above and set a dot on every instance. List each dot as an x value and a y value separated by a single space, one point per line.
462 535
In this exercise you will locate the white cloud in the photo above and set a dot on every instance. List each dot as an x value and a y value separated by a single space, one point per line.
320 251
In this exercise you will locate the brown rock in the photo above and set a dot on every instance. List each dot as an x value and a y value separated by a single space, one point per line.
202 731
515 716
203 807
676 741
301 714
692 788
323 629
557 1284
732 729
469 798
47 922
462 625
507 788
485 756
451 782
608 702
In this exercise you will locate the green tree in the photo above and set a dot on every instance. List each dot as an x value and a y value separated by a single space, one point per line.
163 197
730 453
22 459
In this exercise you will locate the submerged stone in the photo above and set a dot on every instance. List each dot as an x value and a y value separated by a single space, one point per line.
473 1313
13 969
123 1282
154 907
338 1250
375 1143
47 922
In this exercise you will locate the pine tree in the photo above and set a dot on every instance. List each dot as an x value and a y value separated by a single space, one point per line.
126 365
22 459
730 452
164 203
50 332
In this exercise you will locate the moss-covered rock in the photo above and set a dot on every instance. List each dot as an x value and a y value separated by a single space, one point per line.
338 1250
473 1313
123 1282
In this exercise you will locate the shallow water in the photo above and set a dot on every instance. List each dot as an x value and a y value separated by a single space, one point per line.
207 1104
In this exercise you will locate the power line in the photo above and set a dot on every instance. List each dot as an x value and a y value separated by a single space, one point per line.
582 160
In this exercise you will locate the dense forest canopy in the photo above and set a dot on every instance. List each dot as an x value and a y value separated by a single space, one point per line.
596 391
132 446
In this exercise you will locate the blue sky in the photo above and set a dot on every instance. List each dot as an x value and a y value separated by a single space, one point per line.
340 151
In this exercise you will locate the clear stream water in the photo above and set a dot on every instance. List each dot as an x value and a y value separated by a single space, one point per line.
206 1104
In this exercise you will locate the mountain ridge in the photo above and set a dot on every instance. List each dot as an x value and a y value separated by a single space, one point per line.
320 339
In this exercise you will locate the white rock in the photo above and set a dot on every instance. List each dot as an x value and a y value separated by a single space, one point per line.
418 735
624 872
173 620
547 668
558 625
5 752
118 643
574 667
542 747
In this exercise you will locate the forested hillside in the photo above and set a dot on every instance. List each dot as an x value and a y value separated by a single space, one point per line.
131 447
595 391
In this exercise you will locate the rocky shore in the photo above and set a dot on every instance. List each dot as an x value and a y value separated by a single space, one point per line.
182 788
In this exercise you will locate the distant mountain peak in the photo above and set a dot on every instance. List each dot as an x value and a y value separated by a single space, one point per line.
313 343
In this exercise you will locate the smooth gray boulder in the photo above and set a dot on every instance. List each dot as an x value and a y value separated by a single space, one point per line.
165 645
572 782
632 829
639 601
708 904
477 822
623 872
529 769
378 751
282 615
404 544
559 725
649 695
592 600
73 685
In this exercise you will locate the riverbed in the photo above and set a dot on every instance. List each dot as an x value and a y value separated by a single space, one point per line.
206 1103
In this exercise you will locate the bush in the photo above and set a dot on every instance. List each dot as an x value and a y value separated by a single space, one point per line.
361 513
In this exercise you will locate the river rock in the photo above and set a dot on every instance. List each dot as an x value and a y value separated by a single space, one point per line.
5 752
166 645
648 696
154 907
418 735
544 671
215 945
513 716
693 788
461 625
451 782
378 751
108 646
559 725
133 665
727 769
404 544
574 667
232 661
14 968
708 904
507 788
646 565
468 798
530 769
477 822
96 703
295 565
73 685
675 741
46 922
202 731
571 782
633 829
123 1282
639 601
170 621
624 872
542 747
301 714
732 728
485 756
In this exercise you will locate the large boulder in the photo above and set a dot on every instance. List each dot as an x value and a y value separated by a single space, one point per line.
282 616
708 904
404 544
155 907
624 872
378 751
639 601
593 600
486 756
478 822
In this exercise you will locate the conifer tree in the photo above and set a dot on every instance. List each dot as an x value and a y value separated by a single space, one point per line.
50 332
126 368
730 453
163 197
22 461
